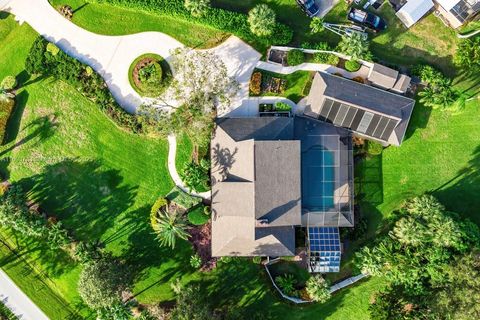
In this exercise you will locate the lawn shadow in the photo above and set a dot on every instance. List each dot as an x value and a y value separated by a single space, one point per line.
144 255
85 195
419 119
461 193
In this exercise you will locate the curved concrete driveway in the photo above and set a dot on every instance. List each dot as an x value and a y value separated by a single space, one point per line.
111 56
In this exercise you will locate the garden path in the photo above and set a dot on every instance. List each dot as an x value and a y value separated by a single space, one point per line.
277 68
111 56
17 301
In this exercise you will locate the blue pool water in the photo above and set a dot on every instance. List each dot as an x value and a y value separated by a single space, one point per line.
318 178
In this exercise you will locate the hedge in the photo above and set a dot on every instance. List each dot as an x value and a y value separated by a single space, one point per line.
182 198
228 21
6 107
40 61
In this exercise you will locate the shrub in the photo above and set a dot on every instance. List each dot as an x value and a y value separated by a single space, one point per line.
159 203
53 49
352 65
197 8
359 79
88 251
261 20
333 60
70 70
9 83
257 260
318 289
197 216
286 283
295 57
255 83
195 261
101 283
196 176
374 148
6 107
282 106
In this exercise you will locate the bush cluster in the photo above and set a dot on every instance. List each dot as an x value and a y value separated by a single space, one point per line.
42 61
295 57
352 65
228 21
196 176
8 83
6 107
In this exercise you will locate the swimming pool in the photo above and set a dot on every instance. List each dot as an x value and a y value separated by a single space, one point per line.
318 178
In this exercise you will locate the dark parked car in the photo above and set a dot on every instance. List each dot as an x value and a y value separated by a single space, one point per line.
366 19
309 7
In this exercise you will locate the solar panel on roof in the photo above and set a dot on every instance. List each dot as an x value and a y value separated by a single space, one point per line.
342 112
388 129
365 122
356 120
349 117
333 113
373 124
381 127
326 107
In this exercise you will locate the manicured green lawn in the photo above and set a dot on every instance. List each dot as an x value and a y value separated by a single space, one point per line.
112 20
98 180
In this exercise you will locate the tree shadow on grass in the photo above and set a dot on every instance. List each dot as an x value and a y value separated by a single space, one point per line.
84 195
143 252
461 193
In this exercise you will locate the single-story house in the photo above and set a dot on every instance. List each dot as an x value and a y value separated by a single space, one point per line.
367 111
457 12
272 174
453 12
413 11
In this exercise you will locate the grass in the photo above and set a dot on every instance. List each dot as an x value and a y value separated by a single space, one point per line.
99 180
184 154
147 89
297 87
111 20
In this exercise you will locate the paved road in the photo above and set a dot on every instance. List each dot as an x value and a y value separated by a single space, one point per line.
111 56
17 301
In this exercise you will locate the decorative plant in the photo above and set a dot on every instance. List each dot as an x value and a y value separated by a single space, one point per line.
169 226
255 83
8 83
195 261
318 289
286 283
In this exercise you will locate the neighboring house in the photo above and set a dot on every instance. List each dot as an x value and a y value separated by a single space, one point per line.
453 12
388 79
272 174
365 110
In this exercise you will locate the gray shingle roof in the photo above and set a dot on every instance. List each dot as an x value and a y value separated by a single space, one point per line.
383 76
260 128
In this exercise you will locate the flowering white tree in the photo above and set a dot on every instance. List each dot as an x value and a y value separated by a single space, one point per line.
201 80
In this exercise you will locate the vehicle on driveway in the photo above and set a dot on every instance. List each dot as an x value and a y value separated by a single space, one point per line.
367 19
309 7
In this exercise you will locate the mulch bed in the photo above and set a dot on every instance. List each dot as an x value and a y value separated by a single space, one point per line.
201 239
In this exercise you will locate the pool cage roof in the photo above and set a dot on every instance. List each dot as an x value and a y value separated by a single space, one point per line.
330 201
324 249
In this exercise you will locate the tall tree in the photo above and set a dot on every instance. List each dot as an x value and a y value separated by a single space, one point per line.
467 55
261 20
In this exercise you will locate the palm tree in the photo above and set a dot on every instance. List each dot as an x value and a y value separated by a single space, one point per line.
261 20
169 227
409 231
197 8
354 45
316 25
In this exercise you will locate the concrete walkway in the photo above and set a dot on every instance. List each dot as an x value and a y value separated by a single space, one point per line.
111 56
277 68
172 152
17 301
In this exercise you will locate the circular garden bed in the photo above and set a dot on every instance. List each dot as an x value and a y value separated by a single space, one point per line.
149 75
